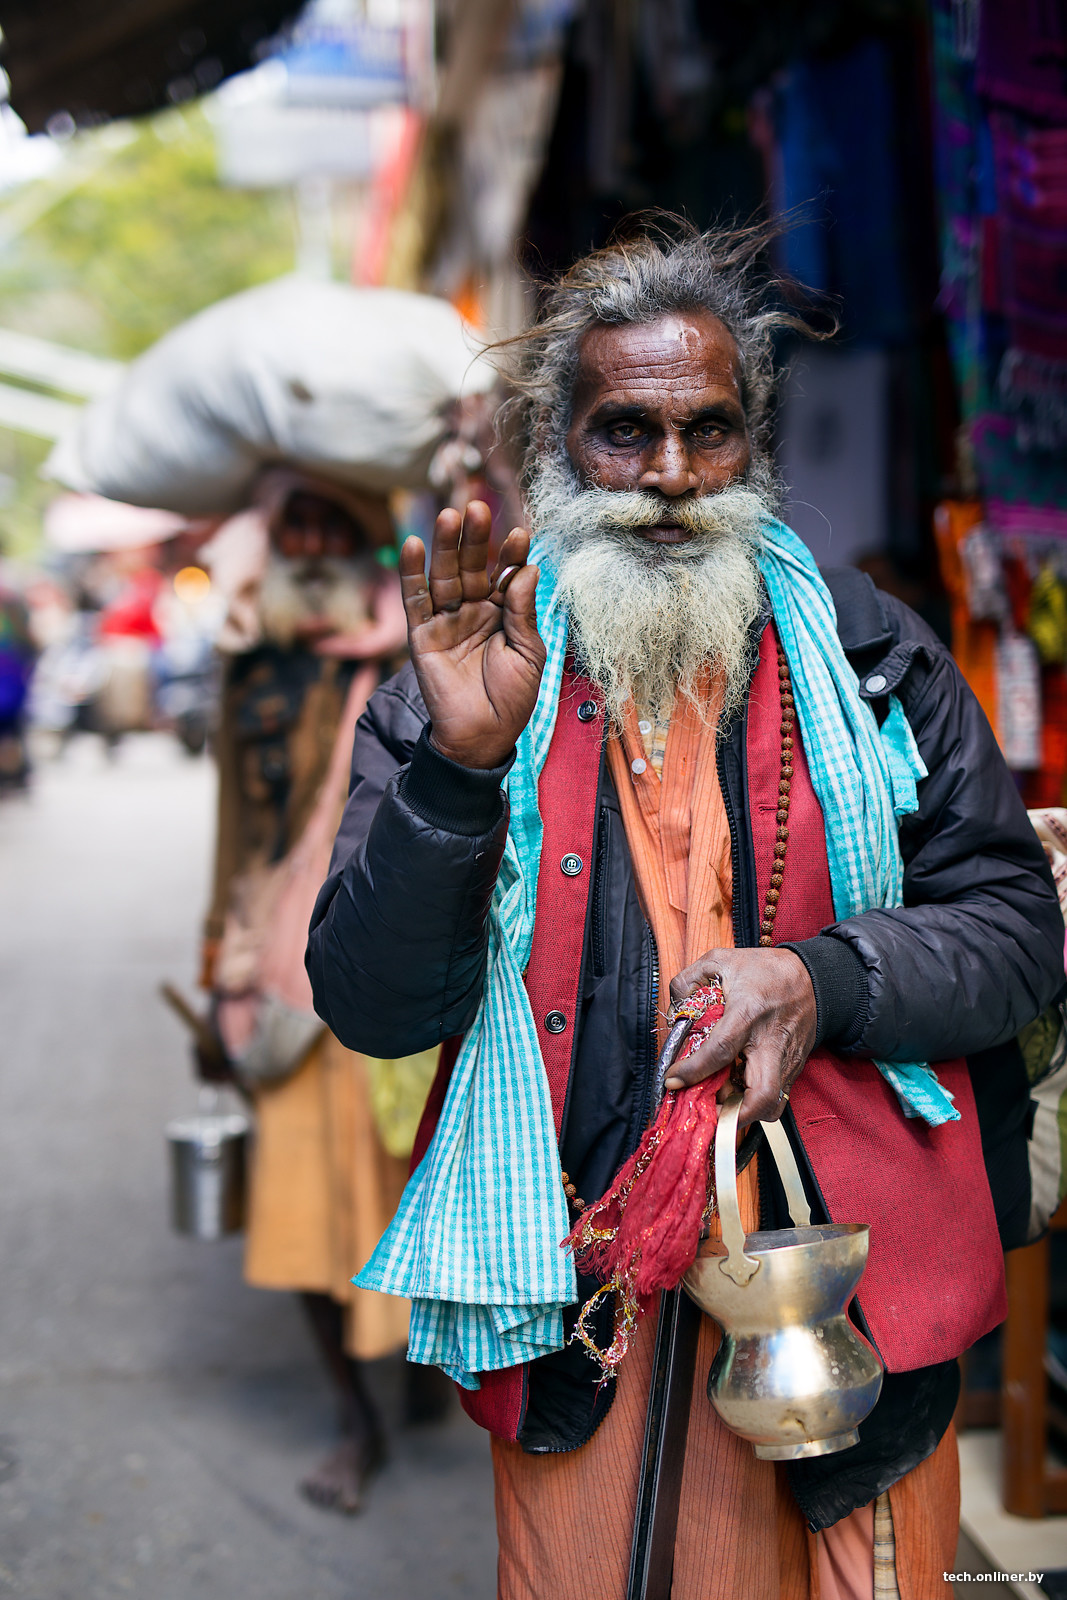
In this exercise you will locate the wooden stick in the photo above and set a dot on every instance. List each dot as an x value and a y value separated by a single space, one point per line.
663 1457
209 1046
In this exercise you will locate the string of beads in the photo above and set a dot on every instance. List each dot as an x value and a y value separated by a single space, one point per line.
781 838
785 779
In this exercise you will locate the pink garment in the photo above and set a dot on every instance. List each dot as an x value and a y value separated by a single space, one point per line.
845 1556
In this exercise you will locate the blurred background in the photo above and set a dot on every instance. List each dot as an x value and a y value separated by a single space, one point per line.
249 252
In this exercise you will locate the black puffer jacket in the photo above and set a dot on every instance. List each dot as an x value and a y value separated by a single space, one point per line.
398 943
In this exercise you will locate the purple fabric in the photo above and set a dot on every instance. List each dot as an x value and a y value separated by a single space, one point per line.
1022 56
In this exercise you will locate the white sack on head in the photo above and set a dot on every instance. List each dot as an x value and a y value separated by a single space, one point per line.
350 383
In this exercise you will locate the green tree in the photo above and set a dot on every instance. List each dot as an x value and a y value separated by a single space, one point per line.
145 240
129 237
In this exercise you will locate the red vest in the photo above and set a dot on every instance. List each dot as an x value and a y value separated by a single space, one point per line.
934 1281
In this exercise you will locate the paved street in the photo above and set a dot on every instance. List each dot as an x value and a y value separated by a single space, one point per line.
155 1414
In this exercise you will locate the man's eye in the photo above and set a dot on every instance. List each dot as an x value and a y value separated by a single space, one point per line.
623 432
709 432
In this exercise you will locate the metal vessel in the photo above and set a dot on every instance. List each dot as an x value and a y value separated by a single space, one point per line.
208 1154
792 1375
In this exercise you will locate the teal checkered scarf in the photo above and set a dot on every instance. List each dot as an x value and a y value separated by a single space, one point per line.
475 1244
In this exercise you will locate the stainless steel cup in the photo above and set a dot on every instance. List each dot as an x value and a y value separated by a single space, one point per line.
208 1154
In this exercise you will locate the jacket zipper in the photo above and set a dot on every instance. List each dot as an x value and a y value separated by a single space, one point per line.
740 939
600 894
653 1032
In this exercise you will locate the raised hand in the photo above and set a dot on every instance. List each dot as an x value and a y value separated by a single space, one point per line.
769 1024
473 636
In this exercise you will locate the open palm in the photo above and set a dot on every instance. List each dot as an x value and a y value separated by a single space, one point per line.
474 642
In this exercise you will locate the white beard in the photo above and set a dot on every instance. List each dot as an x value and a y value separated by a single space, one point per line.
298 596
647 619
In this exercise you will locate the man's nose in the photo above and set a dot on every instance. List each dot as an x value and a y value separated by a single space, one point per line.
668 467
314 542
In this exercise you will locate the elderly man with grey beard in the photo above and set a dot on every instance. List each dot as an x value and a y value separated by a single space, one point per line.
655 759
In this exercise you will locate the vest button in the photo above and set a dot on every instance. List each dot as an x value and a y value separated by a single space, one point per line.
571 866
875 684
587 711
555 1022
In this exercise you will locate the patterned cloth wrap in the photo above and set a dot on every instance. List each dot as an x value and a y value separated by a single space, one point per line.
475 1244
643 1235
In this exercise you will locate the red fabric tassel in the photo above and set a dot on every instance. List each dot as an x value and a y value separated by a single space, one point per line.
643 1234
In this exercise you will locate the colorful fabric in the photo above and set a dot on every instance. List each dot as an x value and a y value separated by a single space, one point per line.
1022 56
1002 188
1031 187
475 1242
1025 490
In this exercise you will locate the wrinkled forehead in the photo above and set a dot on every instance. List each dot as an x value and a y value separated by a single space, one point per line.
680 354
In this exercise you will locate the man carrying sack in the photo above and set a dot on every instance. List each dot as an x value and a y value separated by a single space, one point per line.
651 752
313 623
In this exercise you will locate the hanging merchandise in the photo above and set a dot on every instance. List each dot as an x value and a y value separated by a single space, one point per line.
1025 490
1019 701
1022 53
1000 121
1001 142
983 575
1048 785
1031 181
1047 625
974 641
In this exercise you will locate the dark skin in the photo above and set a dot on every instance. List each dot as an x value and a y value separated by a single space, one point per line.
658 407
313 527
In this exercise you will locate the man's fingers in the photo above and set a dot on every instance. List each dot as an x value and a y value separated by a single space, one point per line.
446 585
513 554
712 964
418 606
520 614
474 549
727 1042
764 1076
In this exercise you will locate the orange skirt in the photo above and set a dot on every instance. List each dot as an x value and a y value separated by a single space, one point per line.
565 1521
323 1189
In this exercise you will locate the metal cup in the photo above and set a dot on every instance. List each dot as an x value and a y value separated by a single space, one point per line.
208 1156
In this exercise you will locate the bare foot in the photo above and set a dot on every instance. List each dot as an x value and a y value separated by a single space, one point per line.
338 1482
428 1394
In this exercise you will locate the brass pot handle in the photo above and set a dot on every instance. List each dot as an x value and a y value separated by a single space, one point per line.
786 1162
736 1264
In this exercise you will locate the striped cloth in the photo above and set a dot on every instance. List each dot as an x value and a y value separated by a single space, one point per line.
864 778
475 1244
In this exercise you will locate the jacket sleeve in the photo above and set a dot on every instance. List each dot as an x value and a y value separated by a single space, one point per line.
976 950
397 944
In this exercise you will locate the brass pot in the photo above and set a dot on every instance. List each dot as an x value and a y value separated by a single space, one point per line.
792 1375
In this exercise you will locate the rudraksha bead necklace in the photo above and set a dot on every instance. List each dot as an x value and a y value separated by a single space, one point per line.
785 779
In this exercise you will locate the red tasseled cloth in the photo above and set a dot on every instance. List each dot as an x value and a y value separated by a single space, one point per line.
643 1235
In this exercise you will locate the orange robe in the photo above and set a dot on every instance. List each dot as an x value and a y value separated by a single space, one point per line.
565 1521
